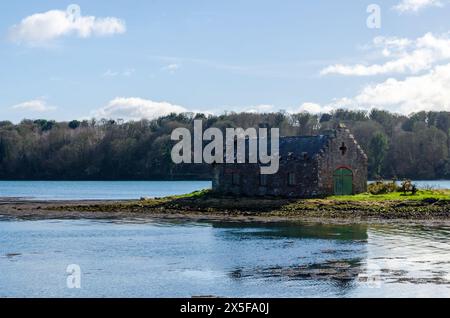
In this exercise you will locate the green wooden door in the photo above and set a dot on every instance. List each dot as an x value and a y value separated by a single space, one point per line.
343 182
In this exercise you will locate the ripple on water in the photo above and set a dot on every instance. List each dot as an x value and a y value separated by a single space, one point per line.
141 258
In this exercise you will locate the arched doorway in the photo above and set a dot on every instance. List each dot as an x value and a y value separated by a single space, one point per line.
343 181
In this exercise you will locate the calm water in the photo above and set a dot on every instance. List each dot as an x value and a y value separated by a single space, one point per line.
97 190
430 184
442 184
117 190
148 259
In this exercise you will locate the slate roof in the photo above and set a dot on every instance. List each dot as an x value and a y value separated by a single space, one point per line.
295 147
298 146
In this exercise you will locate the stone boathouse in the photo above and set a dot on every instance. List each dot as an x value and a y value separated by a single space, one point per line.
310 166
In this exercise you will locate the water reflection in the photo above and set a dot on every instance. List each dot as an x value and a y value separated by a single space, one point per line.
410 254
380 259
142 258
329 255
355 232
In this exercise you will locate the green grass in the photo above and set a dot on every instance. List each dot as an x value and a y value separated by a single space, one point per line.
195 194
387 206
396 196
364 197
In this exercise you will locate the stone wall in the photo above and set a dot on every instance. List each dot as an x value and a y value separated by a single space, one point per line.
333 157
305 179
313 176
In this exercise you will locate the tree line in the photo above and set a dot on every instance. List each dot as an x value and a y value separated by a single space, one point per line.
398 146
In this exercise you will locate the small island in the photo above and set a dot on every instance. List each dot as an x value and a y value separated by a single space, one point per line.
206 205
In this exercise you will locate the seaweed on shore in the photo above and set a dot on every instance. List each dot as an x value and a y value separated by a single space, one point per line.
207 203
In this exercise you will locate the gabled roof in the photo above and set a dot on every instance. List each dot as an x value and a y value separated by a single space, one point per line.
298 146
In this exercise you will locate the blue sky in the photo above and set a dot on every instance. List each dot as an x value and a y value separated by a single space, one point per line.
136 59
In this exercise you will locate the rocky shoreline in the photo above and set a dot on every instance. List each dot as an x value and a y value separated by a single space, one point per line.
232 209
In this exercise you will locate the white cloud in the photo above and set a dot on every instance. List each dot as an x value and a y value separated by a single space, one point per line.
428 92
110 73
269 108
263 108
128 72
426 60
41 29
416 5
39 105
134 108
424 92
171 68
125 73
314 108
404 56
256 109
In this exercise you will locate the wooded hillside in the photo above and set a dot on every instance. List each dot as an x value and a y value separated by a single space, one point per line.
415 146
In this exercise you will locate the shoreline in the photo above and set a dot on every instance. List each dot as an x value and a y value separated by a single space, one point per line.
244 210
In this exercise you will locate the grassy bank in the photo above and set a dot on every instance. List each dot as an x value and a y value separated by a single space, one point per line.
423 205
397 196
